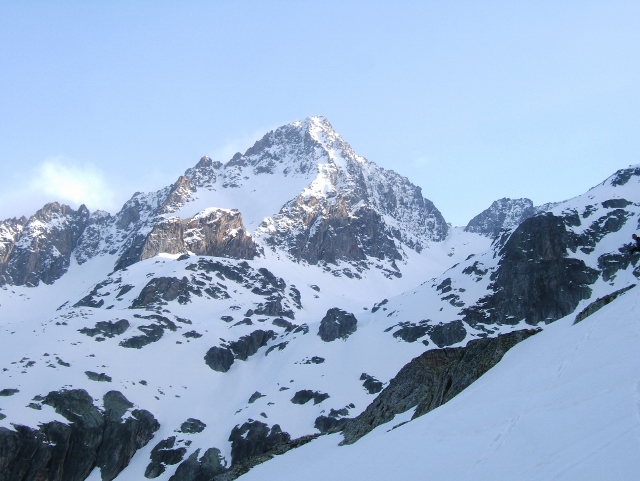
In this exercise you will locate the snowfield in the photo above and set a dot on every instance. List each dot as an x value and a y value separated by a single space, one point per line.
564 404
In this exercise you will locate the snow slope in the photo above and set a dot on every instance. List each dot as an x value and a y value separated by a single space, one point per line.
564 404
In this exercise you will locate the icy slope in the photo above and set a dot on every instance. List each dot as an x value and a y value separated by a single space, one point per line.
563 404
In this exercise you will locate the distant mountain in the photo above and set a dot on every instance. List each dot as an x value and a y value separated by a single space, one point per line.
502 214
298 291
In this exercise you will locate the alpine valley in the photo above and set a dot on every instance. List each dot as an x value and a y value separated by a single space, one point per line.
299 312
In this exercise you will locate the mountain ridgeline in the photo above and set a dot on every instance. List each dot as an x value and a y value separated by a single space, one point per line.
348 209
296 291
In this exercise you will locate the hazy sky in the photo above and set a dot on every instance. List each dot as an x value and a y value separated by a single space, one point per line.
472 101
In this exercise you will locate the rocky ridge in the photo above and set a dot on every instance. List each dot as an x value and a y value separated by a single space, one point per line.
502 214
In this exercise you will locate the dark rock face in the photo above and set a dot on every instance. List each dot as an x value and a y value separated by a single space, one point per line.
10 231
206 468
337 324
329 424
612 262
273 307
248 345
96 234
162 455
432 379
334 421
600 303
99 377
254 438
535 279
192 426
411 332
288 326
106 328
502 214
255 396
192 335
371 384
306 395
162 290
314 360
221 358
121 440
612 221
151 333
334 233
347 223
280 346
447 334
219 233
40 249
622 176
91 300
57 451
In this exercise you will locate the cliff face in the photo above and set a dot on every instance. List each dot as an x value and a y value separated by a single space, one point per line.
432 379
40 250
535 280
217 232
57 451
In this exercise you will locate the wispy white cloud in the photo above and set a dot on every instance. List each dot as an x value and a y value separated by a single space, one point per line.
58 179
72 182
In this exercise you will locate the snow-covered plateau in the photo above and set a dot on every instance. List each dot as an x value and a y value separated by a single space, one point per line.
301 312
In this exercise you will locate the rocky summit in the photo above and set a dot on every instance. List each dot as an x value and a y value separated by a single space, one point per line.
296 299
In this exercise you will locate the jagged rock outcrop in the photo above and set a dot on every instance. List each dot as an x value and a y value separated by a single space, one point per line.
206 468
254 438
150 332
442 334
306 395
502 214
622 176
57 451
214 232
432 379
10 230
221 358
161 290
371 384
447 334
600 303
106 328
162 455
97 236
352 209
535 280
337 324
336 232
40 249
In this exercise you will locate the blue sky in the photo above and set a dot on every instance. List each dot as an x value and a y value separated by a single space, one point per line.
472 101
